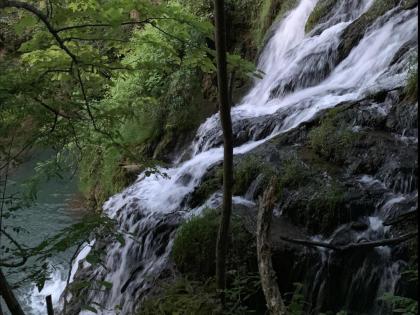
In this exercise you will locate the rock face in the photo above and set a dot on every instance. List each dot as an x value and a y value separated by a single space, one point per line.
342 191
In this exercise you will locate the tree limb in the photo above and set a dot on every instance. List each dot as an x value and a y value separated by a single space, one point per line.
352 246
32 9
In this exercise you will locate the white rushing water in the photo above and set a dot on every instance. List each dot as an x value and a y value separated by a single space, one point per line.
302 77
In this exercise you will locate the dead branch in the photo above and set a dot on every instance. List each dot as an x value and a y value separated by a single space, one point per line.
268 276
352 246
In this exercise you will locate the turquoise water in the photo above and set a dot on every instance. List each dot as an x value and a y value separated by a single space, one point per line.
57 206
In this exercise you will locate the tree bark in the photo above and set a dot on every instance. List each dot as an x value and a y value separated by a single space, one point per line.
268 277
8 296
226 121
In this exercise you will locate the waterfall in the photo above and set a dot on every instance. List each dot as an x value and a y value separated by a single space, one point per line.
303 76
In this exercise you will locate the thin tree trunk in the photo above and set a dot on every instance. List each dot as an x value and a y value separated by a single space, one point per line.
269 284
50 309
8 296
226 121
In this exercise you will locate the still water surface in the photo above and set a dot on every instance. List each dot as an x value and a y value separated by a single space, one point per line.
57 206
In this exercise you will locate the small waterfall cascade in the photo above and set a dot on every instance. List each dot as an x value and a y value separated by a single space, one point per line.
303 75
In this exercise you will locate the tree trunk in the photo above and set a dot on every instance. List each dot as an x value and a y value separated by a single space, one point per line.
269 284
226 121
50 309
8 296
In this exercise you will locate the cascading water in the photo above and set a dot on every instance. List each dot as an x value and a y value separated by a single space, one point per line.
303 75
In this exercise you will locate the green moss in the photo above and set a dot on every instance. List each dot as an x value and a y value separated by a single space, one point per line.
209 185
331 140
409 4
294 174
269 12
195 246
247 170
319 13
322 207
101 175
354 32
327 199
249 31
411 89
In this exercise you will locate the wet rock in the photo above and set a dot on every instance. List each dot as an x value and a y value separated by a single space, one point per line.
355 31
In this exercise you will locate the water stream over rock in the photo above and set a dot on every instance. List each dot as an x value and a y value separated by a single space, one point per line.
303 76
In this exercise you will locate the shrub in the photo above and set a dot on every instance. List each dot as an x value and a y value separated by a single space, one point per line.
190 297
183 296
400 305
194 247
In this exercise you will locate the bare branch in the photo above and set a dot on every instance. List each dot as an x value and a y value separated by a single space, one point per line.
352 246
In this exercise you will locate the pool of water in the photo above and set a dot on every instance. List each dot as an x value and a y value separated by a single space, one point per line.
58 205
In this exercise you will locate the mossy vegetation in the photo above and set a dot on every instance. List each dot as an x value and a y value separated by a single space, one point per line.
331 140
319 14
411 88
409 4
193 290
294 174
153 110
186 296
269 12
247 170
195 246
354 32
318 206
183 296
261 14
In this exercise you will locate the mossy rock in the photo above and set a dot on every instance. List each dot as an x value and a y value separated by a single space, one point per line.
355 31
411 89
212 182
332 140
319 206
249 168
269 12
409 4
320 14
